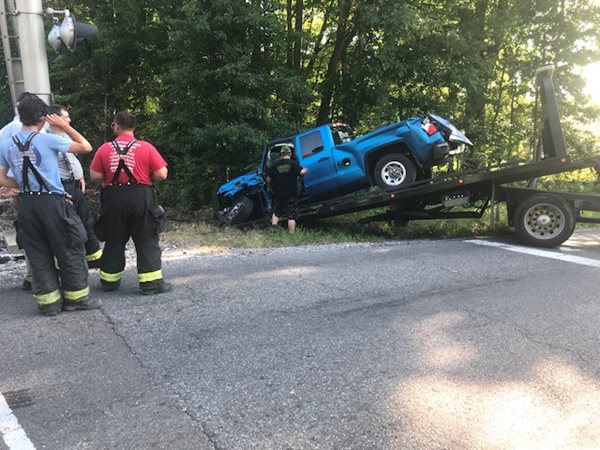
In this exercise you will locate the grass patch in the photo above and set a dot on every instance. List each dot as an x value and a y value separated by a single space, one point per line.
202 230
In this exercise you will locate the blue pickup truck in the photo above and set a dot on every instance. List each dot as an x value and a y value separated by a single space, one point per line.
390 157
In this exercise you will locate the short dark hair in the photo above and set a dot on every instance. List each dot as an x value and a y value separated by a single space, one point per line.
56 109
125 120
31 109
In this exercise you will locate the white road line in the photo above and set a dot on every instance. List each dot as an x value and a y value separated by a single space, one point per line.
537 252
14 436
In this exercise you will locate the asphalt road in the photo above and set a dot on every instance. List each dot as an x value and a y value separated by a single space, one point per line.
409 345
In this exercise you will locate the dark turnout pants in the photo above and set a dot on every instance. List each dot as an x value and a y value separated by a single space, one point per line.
93 252
49 228
129 211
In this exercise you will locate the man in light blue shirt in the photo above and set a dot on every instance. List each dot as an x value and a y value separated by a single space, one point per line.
48 227
8 131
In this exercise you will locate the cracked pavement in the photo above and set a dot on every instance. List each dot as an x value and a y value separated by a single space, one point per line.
415 345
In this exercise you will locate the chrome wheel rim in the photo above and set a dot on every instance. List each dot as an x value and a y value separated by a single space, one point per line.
393 173
544 221
234 209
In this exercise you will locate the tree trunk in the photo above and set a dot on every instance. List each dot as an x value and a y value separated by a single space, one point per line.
289 50
343 37
318 40
297 63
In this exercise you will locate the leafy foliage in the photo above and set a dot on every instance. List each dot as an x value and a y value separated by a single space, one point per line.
211 81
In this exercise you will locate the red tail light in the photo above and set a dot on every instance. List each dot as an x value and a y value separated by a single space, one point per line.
430 129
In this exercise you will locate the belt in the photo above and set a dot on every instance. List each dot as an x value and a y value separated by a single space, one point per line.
53 194
129 184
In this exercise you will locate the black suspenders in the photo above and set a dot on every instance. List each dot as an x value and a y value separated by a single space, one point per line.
28 165
65 159
69 167
122 166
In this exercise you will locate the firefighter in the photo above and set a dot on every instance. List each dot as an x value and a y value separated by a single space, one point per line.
71 176
129 206
48 227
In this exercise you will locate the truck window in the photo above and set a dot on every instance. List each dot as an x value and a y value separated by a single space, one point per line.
311 143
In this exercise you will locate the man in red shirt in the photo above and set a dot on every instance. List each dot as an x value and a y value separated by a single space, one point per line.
129 207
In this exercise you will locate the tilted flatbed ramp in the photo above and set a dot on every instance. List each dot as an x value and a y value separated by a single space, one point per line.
540 218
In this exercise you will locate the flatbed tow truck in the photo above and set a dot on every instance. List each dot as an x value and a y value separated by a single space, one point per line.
540 218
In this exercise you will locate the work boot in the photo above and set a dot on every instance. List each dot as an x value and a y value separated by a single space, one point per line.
157 289
52 309
110 286
83 304
26 286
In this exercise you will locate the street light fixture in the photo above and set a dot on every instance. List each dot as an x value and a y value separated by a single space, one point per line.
69 33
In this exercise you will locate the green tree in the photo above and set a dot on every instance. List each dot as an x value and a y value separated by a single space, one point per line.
226 91
212 81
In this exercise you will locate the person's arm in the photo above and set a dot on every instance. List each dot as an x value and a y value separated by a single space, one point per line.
98 176
79 144
158 165
7 181
301 170
76 168
160 174
96 167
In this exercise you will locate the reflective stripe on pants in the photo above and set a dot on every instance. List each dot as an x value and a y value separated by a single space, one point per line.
74 296
47 299
150 276
94 256
111 277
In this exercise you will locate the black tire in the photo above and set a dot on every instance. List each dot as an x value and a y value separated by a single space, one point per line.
393 171
239 211
544 220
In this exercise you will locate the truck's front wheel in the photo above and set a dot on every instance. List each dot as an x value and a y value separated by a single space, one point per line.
544 220
239 211
393 171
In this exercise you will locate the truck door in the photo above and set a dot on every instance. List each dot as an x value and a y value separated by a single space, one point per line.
314 153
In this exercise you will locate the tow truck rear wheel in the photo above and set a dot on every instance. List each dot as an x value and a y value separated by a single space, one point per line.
394 170
544 220
239 211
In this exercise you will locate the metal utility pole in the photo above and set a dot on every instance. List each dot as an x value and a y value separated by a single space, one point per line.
25 53
32 45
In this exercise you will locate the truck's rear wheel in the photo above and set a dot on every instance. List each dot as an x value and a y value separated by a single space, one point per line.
239 211
544 220
393 171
